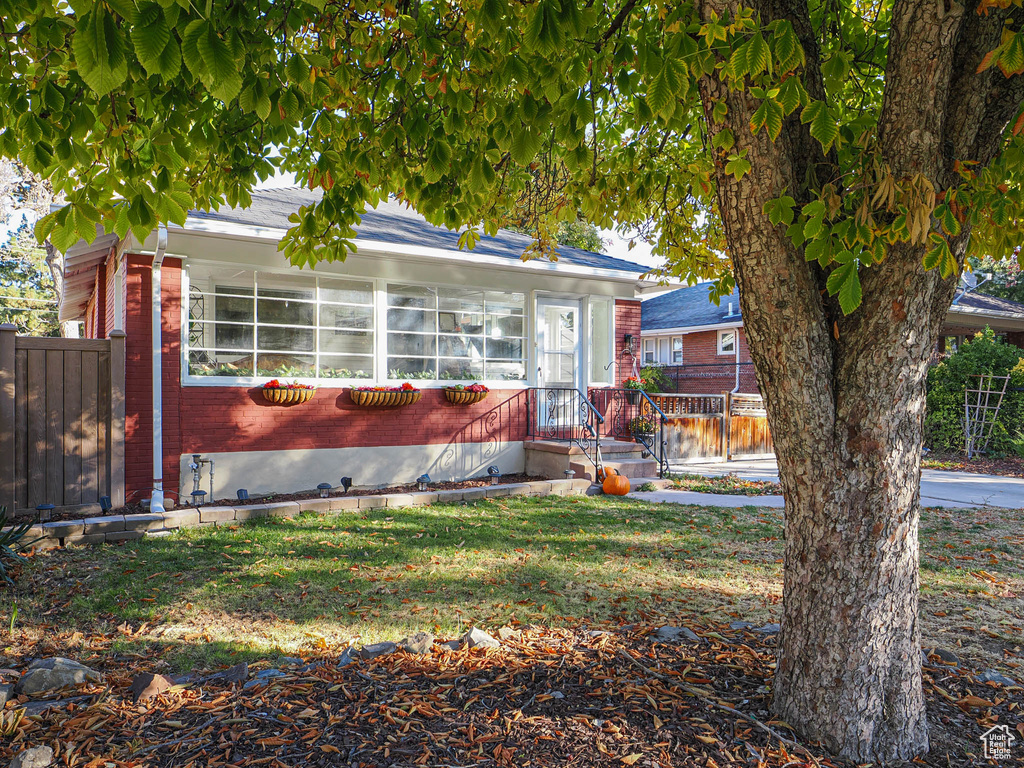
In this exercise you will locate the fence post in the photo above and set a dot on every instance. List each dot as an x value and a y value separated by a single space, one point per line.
117 409
8 332
726 423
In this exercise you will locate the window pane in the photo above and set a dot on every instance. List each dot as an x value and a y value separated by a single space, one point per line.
276 364
460 346
412 296
464 301
234 310
505 371
346 291
411 320
410 344
601 353
334 316
349 342
460 322
286 312
219 363
285 286
286 339
511 302
232 336
454 369
345 367
505 349
411 368
504 325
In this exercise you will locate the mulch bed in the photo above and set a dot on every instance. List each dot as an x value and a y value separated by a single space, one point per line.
726 484
1008 466
136 508
554 697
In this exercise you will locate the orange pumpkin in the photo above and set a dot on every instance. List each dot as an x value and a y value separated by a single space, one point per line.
605 472
615 485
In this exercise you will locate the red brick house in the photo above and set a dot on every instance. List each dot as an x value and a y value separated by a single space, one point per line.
703 349
409 305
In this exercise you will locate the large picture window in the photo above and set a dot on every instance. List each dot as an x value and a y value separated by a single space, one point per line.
247 323
455 334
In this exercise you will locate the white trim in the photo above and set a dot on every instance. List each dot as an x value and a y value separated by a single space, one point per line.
685 329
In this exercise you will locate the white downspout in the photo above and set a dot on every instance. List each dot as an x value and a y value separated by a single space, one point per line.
737 387
156 503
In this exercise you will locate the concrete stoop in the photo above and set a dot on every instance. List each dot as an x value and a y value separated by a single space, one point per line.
550 458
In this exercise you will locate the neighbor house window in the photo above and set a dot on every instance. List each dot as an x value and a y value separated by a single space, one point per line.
663 351
727 342
455 334
649 351
244 323
677 350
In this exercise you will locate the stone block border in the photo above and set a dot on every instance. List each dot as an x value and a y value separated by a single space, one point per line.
114 529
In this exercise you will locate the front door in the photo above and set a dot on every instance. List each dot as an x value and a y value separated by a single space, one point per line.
558 361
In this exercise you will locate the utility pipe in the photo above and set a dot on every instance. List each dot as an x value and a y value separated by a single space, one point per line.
156 502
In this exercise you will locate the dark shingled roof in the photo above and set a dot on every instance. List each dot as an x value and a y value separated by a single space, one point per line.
394 222
688 307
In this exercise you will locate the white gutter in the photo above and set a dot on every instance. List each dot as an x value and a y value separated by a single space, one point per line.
682 330
156 503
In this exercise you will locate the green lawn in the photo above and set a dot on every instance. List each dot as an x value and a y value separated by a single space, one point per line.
213 595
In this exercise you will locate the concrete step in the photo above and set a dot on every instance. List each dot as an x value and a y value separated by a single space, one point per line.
614 447
625 467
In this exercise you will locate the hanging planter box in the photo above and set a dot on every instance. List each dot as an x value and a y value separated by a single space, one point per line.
369 398
286 396
463 396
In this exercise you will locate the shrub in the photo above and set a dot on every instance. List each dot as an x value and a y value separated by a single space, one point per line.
655 379
11 544
947 382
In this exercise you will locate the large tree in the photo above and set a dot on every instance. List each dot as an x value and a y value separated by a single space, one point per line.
843 156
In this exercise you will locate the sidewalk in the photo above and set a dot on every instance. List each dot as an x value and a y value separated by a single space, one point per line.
938 488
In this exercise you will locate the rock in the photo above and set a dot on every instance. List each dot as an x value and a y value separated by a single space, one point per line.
374 650
668 634
313 665
263 677
346 658
231 675
289 661
598 633
769 629
991 676
45 675
6 693
452 645
557 695
147 686
507 633
418 643
36 757
477 638
946 657
741 625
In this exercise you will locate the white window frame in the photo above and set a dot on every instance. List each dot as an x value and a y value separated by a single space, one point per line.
672 350
649 348
379 377
607 377
734 332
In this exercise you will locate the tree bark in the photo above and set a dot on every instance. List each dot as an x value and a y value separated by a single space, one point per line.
845 396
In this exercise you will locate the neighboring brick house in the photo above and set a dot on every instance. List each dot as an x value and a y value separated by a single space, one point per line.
408 306
703 350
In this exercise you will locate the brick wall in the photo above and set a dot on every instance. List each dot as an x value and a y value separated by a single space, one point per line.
627 320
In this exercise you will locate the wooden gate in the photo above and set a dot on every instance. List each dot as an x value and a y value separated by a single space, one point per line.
61 420
725 426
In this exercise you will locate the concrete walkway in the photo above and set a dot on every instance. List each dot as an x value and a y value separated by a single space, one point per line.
938 488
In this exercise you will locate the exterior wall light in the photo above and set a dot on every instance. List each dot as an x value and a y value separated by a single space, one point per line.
423 481
346 483
495 473
325 490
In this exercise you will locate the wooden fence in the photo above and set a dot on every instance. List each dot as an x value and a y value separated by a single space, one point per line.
61 420
722 426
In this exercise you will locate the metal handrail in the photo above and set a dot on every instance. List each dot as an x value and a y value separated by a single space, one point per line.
578 403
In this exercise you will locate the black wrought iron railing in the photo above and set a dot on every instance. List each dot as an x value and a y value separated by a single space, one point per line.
630 414
566 415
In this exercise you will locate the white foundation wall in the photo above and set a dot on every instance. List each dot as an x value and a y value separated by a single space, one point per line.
290 471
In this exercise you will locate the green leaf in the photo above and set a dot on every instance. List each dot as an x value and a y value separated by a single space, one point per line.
150 36
224 80
758 56
769 115
792 94
788 51
661 93
823 127
99 51
723 140
780 210
845 282
737 165
836 68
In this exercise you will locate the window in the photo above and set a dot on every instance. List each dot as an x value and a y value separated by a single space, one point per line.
677 350
455 334
602 354
245 323
663 357
649 351
726 342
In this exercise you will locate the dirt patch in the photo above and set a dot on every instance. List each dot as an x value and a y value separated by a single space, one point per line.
1008 466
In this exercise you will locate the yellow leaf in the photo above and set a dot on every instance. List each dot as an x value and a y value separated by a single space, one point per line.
630 759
